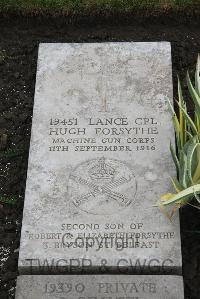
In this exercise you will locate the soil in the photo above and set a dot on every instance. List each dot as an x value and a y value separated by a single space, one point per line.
19 41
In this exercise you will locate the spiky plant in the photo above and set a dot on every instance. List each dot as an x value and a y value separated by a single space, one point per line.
186 157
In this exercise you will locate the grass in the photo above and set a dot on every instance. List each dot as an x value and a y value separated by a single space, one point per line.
81 6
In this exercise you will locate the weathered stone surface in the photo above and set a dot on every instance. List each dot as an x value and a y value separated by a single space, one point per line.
99 287
99 160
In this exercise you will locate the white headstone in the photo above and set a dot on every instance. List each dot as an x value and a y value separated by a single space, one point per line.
99 287
99 160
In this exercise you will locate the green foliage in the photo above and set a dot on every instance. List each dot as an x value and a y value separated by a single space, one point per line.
10 153
187 156
8 200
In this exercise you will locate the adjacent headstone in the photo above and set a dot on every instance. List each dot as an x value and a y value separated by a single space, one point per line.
99 160
99 287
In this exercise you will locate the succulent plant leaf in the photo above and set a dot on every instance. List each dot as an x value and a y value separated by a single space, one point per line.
179 197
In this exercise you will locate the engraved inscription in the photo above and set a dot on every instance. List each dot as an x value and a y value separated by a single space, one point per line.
102 186
102 290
